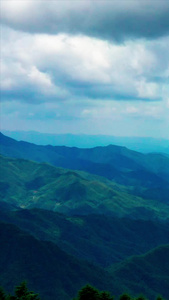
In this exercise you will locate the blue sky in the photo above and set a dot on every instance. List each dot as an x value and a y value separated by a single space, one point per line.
98 67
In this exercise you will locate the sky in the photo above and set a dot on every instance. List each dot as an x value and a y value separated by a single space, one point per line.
91 67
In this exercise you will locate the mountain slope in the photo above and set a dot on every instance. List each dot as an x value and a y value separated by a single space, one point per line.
146 173
48 270
102 240
147 274
28 184
61 275
118 157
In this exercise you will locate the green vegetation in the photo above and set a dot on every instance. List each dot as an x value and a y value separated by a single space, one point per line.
50 271
145 174
27 184
21 293
65 229
2 294
138 273
89 292
102 240
56 275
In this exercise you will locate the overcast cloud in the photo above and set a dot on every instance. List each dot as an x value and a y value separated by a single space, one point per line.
104 19
69 66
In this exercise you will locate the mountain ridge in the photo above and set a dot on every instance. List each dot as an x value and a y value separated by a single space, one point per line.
102 239
113 162
28 184
141 144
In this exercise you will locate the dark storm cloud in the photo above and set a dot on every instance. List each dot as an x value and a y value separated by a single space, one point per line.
112 20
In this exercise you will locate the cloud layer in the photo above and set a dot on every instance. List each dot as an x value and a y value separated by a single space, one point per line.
78 66
61 67
112 20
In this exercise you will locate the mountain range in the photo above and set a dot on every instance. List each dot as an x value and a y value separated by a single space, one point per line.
71 216
146 174
27 184
141 144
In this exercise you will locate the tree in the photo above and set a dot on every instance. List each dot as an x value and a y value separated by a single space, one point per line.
22 293
125 297
2 294
88 293
105 296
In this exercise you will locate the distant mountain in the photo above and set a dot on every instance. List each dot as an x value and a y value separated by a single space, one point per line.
27 184
146 173
118 157
102 240
147 274
47 269
141 144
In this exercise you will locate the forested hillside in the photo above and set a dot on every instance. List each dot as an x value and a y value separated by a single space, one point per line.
48 270
147 174
101 239
28 184
63 227
55 274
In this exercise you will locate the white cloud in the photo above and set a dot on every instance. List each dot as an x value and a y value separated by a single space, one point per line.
40 79
132 110
63 67
103 112
167 102
148 90
90 61
146 111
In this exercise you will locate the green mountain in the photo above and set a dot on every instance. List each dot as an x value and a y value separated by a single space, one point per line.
79 208
47 269
57 275
102 240
27 184
147 274
146 174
